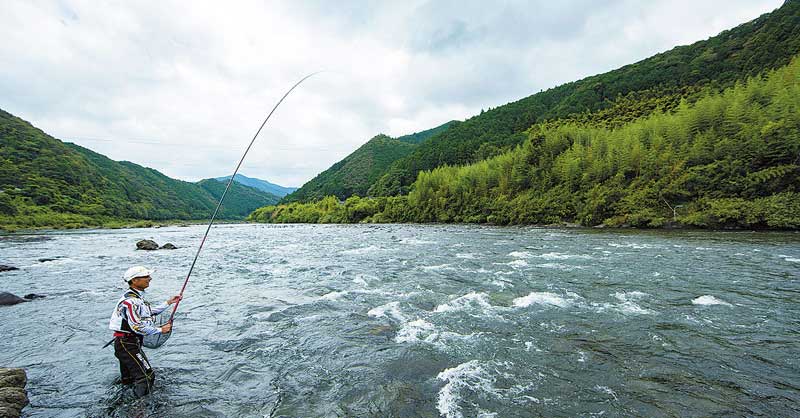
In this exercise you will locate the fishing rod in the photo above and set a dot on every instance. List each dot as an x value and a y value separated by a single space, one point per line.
227 187
162 338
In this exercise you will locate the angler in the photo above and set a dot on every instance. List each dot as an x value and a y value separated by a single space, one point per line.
131 321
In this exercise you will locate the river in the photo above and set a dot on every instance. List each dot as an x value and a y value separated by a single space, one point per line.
417 320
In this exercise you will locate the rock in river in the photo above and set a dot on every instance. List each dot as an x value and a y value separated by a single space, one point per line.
10 299
168 246
146 244
12 392
7 268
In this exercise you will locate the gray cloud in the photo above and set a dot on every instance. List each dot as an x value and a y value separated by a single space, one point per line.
181 87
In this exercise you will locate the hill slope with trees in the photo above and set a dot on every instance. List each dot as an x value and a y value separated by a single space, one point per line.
731 159
767 42
48 183
355 173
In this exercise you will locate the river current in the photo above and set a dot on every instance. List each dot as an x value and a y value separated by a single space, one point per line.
416 321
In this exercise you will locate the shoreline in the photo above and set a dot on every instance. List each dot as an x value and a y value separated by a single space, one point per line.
132 224
188 223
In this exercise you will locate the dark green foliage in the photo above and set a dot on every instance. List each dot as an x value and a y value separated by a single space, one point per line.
46 182
732 159
729 160
354 174
654 84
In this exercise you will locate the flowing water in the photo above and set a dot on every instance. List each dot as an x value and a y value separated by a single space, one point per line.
409 320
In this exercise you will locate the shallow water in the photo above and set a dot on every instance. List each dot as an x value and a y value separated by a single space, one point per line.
398 320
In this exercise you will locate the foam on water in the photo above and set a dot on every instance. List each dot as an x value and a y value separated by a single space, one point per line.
336 295
631 245
416 331
470 300
607 390
629 307
469 377
520 254
439 267
559 266
629 304
518 264
469 256
389 310
709 300
541 298
362 250
792 260
562 256
51 263
502 284
634 295
414 241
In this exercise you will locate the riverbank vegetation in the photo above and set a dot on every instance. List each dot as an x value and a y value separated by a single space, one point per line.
730 159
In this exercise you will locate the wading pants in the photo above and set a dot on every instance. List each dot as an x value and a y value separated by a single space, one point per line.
133 364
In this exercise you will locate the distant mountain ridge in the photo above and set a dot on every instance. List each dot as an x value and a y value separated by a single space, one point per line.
358 171
263 185
46 182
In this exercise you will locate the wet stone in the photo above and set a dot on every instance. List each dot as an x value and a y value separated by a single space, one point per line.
146 244
12 392
7 299
7 268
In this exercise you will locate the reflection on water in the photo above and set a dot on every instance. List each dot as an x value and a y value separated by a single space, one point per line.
394 320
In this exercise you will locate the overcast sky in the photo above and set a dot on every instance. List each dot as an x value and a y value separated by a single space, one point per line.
182 86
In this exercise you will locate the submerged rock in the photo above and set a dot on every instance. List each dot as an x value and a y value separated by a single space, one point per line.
12 392
32 296
7 268
7 299
44 260
146 244
168 246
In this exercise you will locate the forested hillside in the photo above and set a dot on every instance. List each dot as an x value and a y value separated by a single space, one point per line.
45 182
731 159
765 43
355 173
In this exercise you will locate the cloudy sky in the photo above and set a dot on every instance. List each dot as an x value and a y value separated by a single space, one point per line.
182 86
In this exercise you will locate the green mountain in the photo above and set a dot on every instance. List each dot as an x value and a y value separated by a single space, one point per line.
656 83
45 182
355 173
729 160
263 185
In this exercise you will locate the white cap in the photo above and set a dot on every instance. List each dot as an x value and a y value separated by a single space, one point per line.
136 271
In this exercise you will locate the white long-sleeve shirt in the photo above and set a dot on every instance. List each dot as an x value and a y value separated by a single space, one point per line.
132 310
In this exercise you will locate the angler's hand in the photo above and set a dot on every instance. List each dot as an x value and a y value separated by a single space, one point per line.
166 328
174 299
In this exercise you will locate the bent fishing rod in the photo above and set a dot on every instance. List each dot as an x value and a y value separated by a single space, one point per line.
222 198
227 187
